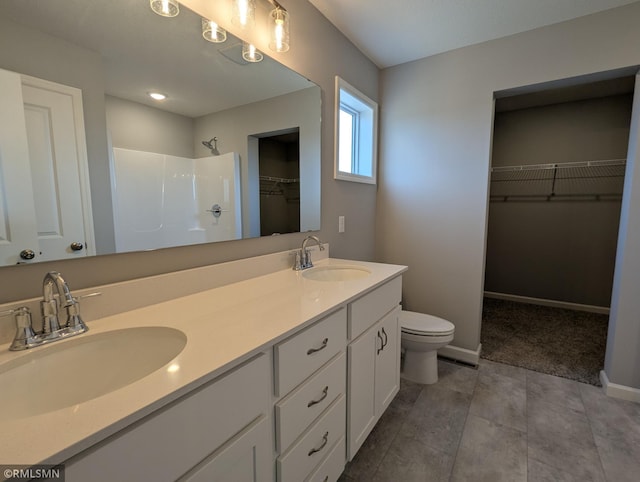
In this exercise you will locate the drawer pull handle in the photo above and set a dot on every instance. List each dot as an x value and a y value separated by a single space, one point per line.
386 339
311 351
325 439
378 350
325 392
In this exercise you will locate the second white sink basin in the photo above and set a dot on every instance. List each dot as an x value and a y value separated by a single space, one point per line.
336 273
75 371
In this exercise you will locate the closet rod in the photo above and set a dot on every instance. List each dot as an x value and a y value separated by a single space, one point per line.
561 165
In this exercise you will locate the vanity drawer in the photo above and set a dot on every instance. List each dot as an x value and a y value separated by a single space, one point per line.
365 311
302 406
332 467
168 443
298 357
310 450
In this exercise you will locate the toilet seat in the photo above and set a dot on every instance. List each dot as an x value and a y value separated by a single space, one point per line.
424 325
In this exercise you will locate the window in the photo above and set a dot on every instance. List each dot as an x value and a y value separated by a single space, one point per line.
356 135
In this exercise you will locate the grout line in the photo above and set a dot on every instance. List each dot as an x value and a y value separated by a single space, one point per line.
593 435
464 427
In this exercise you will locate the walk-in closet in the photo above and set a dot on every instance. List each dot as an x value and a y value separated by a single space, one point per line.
557 179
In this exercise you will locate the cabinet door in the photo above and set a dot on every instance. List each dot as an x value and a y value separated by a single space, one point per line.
387 381
361 413
245 458
173 440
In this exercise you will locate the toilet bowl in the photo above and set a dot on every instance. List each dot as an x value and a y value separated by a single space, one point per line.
422 335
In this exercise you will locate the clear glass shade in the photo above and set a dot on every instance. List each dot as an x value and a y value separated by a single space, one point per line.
212 32
166 8
279 25
250 53
244 13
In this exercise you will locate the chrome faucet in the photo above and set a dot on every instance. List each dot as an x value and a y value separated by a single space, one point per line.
50 304
303 257
55 295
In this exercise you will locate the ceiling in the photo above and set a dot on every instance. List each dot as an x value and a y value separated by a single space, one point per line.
395 32
142 51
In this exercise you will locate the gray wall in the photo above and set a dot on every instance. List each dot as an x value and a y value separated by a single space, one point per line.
436 130
143 128
557 249
319 52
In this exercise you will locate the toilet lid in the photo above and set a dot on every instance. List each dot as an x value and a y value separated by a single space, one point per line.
422 324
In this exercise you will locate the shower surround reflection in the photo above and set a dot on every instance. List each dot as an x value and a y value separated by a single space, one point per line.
161 200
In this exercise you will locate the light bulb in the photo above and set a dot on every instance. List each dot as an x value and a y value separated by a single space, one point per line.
243 13
279 30
157 96
212 32
250 53
165 8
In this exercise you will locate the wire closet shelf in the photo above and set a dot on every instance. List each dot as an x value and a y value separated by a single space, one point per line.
596 180
279 186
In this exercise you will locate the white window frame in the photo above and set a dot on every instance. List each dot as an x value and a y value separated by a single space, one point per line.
365 133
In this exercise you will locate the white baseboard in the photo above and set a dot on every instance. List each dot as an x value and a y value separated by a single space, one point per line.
544 302
619 391
472 357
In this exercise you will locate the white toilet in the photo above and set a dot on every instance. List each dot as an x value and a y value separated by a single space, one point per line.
422 336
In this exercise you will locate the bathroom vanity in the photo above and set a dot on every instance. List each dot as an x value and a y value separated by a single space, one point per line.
282 377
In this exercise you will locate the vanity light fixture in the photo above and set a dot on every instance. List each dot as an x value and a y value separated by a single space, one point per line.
212 32
157 96
165 8
250 53
244 13
279 25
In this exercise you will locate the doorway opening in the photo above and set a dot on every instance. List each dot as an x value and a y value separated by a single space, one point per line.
557 177
279 173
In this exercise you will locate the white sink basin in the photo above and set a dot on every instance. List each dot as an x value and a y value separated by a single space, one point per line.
71 372
336 273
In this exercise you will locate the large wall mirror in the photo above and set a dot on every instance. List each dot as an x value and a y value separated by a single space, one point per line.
90 164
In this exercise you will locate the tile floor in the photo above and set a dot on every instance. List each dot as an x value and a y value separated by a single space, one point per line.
501 423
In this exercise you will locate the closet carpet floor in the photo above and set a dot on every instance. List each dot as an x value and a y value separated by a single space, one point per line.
556 341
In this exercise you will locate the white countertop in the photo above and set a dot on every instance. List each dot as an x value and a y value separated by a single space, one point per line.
224 326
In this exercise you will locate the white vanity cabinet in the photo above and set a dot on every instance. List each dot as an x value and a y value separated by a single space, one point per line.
310 416
373 360
221 431
295 411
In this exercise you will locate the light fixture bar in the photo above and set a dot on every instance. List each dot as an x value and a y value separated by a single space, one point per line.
276 4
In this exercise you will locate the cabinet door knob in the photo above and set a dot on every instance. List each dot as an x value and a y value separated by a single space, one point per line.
27 254
325 439
311 351
76 246
325 392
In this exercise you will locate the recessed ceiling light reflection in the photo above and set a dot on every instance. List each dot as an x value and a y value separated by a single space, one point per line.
157 96
173 368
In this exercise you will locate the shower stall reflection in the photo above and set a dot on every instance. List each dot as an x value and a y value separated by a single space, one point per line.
162 200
